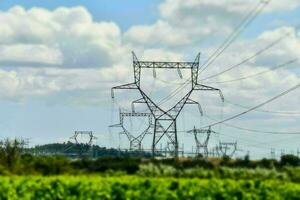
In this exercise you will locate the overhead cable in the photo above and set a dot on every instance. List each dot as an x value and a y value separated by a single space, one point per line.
255 107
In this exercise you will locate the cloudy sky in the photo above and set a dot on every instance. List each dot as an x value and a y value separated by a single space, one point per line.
59 60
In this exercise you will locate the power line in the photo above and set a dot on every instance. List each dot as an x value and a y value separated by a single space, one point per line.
255 107
263 110
224 43
259 73
251 57
248 129
241 27
173 93
233 33
255 130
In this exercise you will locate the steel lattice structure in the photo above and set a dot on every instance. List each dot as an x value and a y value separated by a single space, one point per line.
135 142
201 145
227 148
165 121
84 147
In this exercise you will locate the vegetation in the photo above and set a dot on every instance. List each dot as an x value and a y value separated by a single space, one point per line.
131 187
14 160
27 176
72 150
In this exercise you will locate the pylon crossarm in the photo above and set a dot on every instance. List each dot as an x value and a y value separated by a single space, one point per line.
135 114
166 65
138 101
115 126
225 146
208 88
190 101
129 86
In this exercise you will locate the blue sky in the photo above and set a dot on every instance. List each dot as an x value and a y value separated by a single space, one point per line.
47 103
125 14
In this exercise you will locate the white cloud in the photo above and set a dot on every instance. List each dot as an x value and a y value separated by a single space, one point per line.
61 48
160 32
193 21
23 83
67 34
29 54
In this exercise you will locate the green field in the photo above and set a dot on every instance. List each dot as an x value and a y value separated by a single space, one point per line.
134 187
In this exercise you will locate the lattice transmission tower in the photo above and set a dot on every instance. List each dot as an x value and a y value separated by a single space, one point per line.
165 120
227 148
83 145
201 145
135 142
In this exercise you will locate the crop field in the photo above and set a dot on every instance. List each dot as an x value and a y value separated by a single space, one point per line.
136 187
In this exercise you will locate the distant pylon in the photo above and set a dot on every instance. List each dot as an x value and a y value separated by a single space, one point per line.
273 155
227 148
135 142
201 145
84 146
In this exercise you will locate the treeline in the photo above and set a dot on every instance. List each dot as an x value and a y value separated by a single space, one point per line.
74 150
14 160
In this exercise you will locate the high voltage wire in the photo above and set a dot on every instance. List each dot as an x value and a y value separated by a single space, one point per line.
233 33
236 33
255 107
269 46
265 111
255 130
250 130
173 93
259 73
182 85
243 78
246 21
253 141
241 27
257 145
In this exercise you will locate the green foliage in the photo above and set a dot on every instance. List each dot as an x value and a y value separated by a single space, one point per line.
286 174
132 187
289 160
10 151
73 150
129 165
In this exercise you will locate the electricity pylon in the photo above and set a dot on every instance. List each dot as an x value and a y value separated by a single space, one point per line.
135 142
227 148
83 146
166 119
201 144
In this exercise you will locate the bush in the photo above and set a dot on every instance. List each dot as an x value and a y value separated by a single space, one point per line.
289 160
